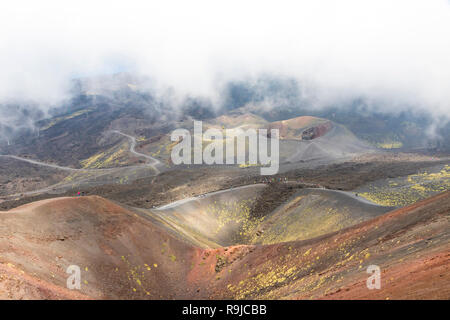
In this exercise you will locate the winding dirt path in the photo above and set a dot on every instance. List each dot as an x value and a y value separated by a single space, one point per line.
44 164
153 164
177 203
350 194
201 196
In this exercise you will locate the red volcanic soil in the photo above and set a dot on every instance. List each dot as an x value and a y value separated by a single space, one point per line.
410 245
321 129
123 255
16 284
293 128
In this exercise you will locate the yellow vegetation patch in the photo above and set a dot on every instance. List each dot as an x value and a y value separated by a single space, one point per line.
67 117
407 190
235 212
390 145
262 281
111 158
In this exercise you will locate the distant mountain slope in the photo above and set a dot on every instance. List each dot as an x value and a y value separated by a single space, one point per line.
381 123
217 219
337 142
237 119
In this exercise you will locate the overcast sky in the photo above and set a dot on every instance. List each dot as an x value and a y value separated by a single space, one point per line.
398 50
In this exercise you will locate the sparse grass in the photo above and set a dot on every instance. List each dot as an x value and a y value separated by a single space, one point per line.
410 189
237 212
113 157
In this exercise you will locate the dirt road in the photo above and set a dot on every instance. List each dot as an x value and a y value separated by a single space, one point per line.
186 200
153 164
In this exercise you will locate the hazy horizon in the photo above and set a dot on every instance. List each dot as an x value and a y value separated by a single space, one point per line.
395 52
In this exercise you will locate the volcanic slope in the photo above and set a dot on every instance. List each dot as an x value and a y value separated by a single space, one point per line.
315 212
226 218
337 142
327 142
120 254
308 138
411 246
212 220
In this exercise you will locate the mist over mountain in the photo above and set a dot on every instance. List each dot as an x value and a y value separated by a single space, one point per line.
392 56
273 98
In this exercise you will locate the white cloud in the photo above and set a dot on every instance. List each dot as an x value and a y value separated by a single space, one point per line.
398 50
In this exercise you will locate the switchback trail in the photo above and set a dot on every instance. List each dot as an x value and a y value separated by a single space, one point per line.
154 162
